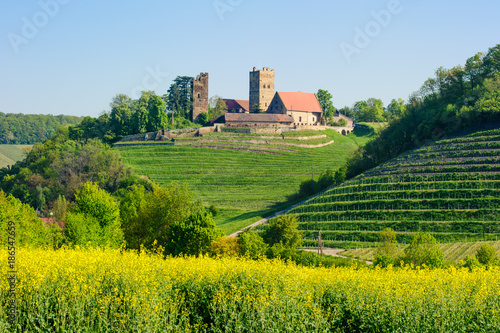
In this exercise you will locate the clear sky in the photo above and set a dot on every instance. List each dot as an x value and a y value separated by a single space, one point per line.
72 56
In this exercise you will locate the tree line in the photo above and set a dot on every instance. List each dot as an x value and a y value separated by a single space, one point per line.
371 110
457 99
31 128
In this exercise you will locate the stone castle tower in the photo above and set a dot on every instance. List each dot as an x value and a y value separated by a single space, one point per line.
261 89
200 95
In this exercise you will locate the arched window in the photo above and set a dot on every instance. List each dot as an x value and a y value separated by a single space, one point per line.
199 95
264 86
269 86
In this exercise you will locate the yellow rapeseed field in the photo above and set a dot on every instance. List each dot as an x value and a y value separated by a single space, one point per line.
105 290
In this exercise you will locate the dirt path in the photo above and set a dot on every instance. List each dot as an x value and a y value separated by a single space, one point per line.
335 253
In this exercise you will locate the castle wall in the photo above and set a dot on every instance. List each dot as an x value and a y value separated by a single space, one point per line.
200 95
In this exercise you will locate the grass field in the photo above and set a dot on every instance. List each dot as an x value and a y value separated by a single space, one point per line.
246 181
10 154
102 290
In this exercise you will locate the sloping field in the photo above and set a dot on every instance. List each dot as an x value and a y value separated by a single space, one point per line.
453 251
449 188
10 154
247 177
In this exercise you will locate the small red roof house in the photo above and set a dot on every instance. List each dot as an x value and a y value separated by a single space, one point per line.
237 105
304 108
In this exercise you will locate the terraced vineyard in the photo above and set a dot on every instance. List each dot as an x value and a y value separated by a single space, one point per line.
449 188
246 176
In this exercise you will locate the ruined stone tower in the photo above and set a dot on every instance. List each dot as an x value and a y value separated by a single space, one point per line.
261 89
200 95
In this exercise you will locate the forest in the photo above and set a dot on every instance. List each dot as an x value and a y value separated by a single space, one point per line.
31 128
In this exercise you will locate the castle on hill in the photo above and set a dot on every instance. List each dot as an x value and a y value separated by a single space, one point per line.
265 107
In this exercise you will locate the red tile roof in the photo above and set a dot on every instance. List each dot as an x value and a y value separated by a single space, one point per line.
234 104
299 101
258 118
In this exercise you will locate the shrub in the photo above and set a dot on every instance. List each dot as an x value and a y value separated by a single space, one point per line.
471 262
225 247
424 249
192 236
487 254
28 227
252 245
284 230
97 213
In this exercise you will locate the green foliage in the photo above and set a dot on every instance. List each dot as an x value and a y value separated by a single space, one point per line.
487 255
82 229
59 166
423 250
28 228
192 236
471 262
225 247
387 249
456 99
94 204
203 119
325 101
252 245
147 217
369 110
342 123
326 179
30 128
284 230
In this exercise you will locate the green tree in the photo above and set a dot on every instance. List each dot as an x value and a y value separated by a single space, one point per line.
29 229
252 245
486 254
396 108
157 117
284 230
98 205
121 119
193 236
180 96
150 215
325 101
423 249
387 249
203 118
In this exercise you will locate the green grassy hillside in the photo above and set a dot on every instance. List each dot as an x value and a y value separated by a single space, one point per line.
449 188
10 154
246 176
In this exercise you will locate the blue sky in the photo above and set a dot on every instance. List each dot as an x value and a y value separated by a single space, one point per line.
72 56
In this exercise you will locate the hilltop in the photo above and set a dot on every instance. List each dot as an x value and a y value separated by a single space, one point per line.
246 176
